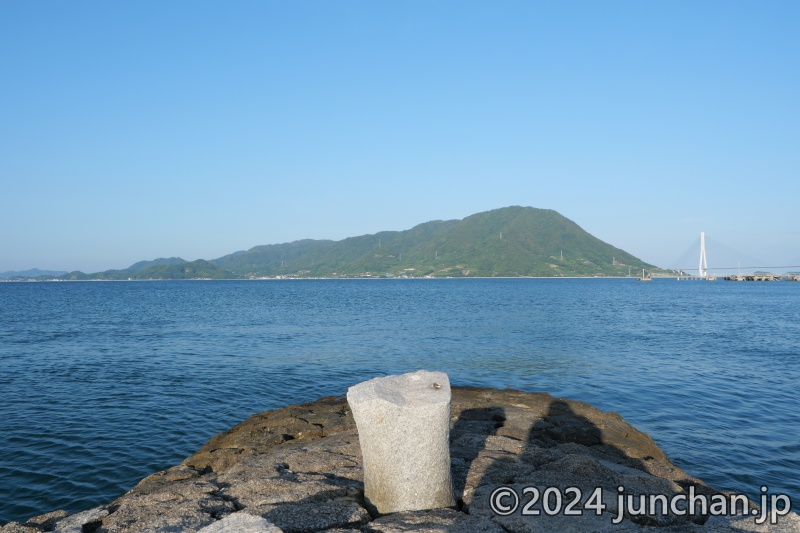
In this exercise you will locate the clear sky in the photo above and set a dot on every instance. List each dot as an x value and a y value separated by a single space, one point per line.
137 130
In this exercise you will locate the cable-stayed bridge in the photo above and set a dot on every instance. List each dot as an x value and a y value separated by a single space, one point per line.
748 272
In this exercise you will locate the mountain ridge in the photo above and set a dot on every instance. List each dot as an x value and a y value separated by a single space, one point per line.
142 265
513 241
30 273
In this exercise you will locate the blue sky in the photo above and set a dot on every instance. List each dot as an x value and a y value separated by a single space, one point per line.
136 130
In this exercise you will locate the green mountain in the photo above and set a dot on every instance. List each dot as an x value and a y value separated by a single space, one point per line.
271 258
513 241
200 269
508 242
142 265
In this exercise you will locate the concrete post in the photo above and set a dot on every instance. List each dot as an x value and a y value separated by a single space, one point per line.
404 431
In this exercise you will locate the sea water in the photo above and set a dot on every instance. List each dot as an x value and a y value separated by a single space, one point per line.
103 383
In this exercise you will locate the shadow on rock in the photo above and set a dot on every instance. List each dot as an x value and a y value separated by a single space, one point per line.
570 467
468 437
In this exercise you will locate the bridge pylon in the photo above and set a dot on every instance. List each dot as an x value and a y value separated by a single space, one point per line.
703 270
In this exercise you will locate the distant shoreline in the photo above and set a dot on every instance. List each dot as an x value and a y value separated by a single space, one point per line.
379 278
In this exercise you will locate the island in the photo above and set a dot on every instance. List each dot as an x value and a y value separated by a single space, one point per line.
510 242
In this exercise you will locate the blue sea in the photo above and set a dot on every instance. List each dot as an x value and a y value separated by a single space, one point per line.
103 383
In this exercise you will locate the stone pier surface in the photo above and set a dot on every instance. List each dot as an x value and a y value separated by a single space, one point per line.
299 469
404 432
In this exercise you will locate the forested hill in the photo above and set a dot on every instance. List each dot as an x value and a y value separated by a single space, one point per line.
512 242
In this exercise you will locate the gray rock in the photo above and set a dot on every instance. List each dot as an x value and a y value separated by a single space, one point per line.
16 527
430 521
45 522
157 505
784 524
241 523
317 515
403 429
75 523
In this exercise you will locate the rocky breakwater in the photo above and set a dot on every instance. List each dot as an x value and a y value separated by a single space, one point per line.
298 469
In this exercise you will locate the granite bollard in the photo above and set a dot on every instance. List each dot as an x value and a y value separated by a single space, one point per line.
404 432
